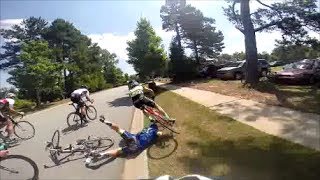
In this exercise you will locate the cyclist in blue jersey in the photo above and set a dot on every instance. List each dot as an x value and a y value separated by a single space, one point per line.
134 142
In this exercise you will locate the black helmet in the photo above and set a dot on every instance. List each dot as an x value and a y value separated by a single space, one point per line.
84 86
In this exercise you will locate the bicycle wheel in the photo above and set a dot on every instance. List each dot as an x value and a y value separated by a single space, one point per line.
167 125
56 139
73 119
91 112
98 143
162 148
24 130
18 167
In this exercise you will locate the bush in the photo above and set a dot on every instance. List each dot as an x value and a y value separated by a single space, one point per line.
24 104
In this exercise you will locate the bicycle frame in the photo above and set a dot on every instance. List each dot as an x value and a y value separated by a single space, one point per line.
151 112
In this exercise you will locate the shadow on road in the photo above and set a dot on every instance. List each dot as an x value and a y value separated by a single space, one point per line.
123 101
69 129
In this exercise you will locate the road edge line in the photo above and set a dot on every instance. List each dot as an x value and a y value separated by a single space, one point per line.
136 168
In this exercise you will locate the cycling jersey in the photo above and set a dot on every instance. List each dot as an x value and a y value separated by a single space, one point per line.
6 102
79 96
140 141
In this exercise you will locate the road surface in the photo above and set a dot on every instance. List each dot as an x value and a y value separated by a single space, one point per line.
113 103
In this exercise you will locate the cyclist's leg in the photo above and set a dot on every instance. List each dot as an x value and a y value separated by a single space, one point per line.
9 128
151 103
113 153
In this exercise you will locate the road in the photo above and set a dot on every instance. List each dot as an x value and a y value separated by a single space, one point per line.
113 103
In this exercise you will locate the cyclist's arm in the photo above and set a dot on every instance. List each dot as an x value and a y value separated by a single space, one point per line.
146 89
13 111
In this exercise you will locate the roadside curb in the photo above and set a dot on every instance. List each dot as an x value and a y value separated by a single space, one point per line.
136 168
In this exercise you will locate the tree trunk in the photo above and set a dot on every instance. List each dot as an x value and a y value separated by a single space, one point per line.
196 52
178 36
38 98
250 44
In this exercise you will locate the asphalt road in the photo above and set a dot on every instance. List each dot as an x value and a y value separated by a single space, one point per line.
113 103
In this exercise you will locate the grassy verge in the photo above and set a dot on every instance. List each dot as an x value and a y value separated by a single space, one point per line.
214 145
303 98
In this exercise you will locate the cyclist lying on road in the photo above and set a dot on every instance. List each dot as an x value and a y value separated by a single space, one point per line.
79 96
134 142
136 92
6 107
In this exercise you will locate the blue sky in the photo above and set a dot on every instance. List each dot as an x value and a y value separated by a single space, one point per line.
111 23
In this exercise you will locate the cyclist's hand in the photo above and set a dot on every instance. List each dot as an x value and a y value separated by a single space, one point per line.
21 113
91 101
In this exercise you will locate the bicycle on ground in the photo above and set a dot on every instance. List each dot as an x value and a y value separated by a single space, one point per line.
82 146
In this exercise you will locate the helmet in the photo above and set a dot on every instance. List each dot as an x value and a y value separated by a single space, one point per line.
133 84
84 86
10 95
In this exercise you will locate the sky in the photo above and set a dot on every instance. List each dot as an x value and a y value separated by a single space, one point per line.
111 23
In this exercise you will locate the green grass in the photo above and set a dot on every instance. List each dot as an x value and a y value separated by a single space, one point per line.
214 145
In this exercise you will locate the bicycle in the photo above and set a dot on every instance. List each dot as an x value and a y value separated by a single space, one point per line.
20 129
83 146
73 118
10 168
155 115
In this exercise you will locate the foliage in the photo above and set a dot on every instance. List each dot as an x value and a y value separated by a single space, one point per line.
293 52
145 52
23 104
199 33
37 72
56 59
180 67
30 29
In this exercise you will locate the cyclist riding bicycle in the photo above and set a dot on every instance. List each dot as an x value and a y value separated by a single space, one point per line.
136 92
134 142
79 97
7 107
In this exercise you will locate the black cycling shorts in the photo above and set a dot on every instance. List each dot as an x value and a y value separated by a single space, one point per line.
143 100
76 98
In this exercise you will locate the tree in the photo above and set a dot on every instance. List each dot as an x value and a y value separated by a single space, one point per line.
200 34
37 72
180 68
290 17
30 29
145 52
239 56
293 52
170 14
65 40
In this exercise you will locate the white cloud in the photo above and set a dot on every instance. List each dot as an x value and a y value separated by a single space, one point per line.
118 43
7 23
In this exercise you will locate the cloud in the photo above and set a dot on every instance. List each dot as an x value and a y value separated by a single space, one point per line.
117 44
8 23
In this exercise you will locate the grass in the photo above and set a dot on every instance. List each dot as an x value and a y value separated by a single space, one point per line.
214 145
303 98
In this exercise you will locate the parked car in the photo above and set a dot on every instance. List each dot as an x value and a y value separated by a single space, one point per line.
209 71
236 69
304 71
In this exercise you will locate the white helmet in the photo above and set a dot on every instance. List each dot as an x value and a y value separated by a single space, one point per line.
10 95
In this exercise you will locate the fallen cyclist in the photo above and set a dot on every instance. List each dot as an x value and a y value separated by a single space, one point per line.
135 143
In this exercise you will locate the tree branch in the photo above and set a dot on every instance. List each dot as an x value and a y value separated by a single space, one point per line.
272 23
235 16
264 4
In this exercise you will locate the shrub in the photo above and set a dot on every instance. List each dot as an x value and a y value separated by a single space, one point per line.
24 104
